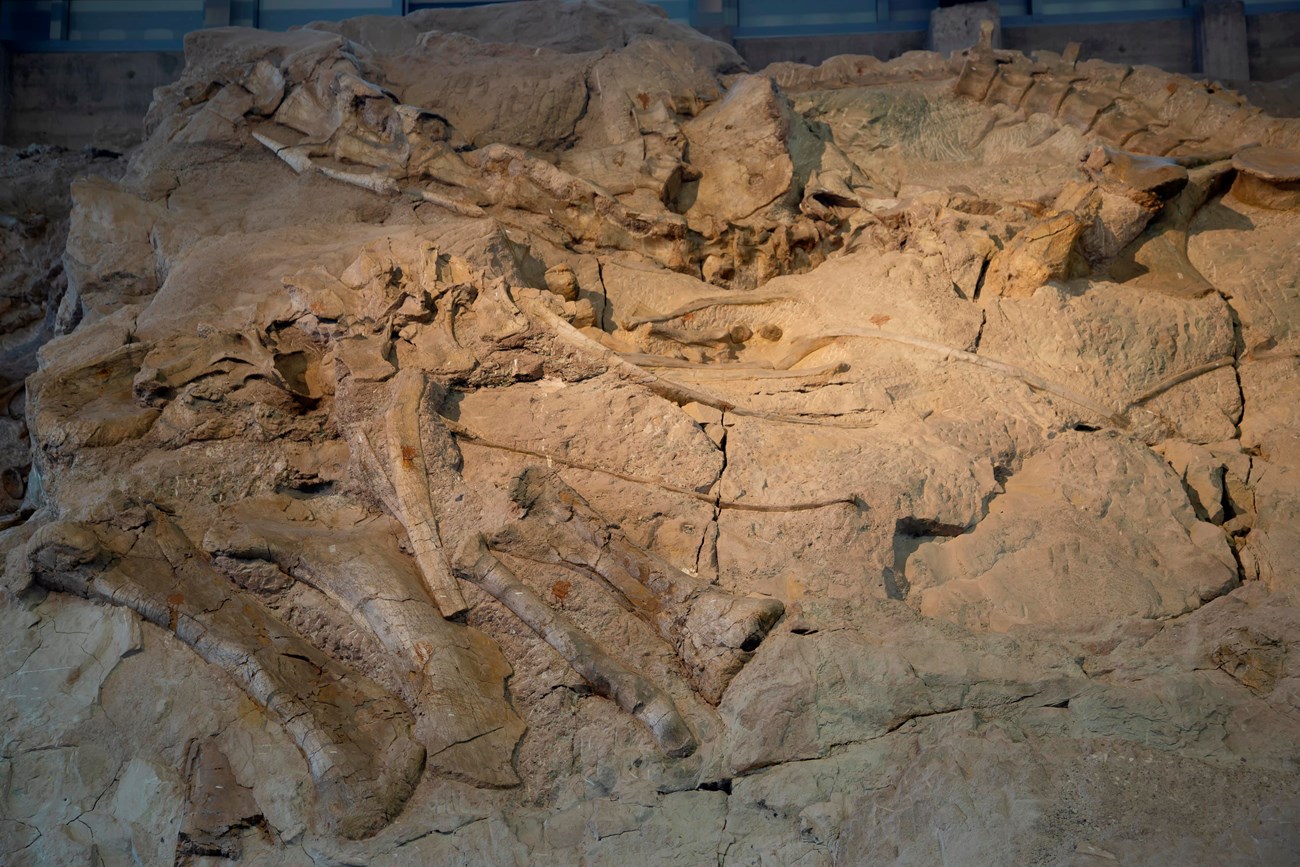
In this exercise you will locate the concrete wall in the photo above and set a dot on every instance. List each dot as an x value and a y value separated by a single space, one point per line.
76 99
4 91
1273 43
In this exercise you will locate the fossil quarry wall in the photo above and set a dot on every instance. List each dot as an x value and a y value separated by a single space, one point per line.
526 436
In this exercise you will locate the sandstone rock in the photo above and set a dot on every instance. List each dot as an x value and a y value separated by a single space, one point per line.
748 150
1203 476
1043 252
503 433
1026 562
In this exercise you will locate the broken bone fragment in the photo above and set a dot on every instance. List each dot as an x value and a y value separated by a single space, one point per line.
1267 177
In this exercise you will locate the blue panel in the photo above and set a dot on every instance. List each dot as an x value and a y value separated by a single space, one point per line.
25 20
678 10
1100 17
781 13
67 46
243 13
413 5
133 19
1085 7
912 10
283 14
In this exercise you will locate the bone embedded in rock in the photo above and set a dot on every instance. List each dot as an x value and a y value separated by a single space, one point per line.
359 750
889 435
607 676
404 464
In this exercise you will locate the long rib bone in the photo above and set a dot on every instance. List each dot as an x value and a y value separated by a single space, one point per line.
354 735
392 455
463 718
607 676
713 632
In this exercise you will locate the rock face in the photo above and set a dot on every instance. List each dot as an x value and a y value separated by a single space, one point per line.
524 435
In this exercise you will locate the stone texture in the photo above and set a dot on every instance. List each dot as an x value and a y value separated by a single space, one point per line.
1018 568
522 434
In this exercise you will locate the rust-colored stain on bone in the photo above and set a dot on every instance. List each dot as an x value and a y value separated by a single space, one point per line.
560 590
174 602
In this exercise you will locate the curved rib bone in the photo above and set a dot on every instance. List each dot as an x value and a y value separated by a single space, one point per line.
393 458
713 632
463 719
607 676
353 734
734 299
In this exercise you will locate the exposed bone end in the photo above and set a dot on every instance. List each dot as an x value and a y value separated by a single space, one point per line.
440 583
1159 176
486 760
1267 178
61 547
472 556
669 729
608 677
720 634
356 800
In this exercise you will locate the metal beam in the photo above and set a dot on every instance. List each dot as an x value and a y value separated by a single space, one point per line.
60 18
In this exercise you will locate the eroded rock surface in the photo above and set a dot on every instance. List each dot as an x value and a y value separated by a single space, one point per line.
525 435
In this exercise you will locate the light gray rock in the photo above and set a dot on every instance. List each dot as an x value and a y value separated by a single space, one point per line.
1064 545
878 462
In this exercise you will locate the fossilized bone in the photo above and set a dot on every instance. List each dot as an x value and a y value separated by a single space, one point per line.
1158 258
354 735
416 452
465 435
669 390
804 347
406 454
696 304
732 337
607 676
713 632
706 370
467 727
238 357
392 450
1179 378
